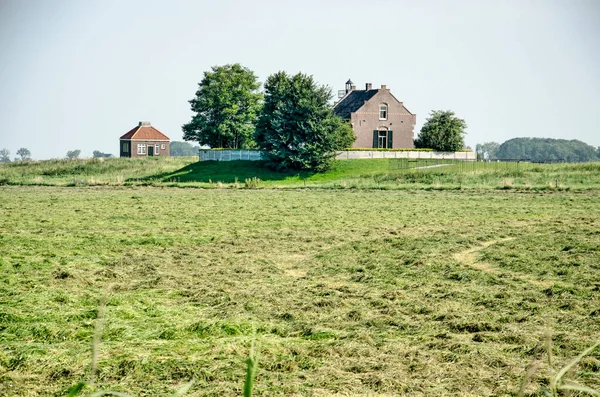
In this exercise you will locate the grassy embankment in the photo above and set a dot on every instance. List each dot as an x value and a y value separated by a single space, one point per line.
376 293
361 174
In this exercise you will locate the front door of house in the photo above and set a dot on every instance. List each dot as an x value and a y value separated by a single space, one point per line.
382 143
150 150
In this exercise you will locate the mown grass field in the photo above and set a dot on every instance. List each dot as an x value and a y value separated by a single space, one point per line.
345 292
387 174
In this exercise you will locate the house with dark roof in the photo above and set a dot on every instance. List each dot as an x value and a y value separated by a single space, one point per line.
143 141
378 119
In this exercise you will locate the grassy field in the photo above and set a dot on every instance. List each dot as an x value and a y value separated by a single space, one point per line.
345 292
388 174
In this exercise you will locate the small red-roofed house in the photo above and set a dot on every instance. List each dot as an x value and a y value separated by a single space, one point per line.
143 141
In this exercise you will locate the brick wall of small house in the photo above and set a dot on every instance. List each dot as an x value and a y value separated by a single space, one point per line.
399 121
166 152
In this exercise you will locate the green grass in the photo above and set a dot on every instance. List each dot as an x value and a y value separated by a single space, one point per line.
345 292
390 174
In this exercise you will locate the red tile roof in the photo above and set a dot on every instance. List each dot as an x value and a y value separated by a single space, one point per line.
146 132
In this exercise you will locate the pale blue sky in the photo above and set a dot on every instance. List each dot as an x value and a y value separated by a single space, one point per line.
77 74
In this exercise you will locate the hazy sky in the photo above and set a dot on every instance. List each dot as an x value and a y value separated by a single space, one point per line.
77 74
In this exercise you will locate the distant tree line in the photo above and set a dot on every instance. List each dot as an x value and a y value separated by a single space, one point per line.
98 154
23 153
183 149
538 149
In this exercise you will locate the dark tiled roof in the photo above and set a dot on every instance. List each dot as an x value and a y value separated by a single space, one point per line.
145 132
130 133
352 102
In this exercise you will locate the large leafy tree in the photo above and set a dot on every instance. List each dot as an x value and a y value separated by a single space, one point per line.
296 128
442 131
225 108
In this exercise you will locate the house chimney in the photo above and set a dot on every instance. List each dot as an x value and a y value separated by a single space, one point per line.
352 88
368 86
383 87
144 124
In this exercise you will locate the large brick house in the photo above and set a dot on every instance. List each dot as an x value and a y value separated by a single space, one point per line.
144 140
378 119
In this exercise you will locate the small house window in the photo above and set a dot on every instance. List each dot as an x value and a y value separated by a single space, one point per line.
156 150
163 146
383 111
125 148
141 148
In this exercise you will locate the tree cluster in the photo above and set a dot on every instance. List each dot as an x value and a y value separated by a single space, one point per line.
292 122
487 150
547 149
73 154
183 149
99 155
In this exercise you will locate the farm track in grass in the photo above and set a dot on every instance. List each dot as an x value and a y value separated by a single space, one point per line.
346 292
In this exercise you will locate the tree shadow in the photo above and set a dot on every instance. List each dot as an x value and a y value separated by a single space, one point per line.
223 171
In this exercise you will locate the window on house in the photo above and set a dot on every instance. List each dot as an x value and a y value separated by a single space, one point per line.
156 150
141 148
383 111
163 146
382 141
125 147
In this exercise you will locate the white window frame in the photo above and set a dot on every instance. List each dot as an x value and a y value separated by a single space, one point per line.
156 149
382 139
141 148
163 146
383 111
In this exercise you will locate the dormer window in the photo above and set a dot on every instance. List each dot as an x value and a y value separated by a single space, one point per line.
383 111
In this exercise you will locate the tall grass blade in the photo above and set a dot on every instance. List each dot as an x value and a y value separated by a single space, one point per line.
184 389
567 367
98 330
76 389
582 389
252 363
549 350
530 371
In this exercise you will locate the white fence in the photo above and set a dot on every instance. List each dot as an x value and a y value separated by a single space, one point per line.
230 155
253 155
407 154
